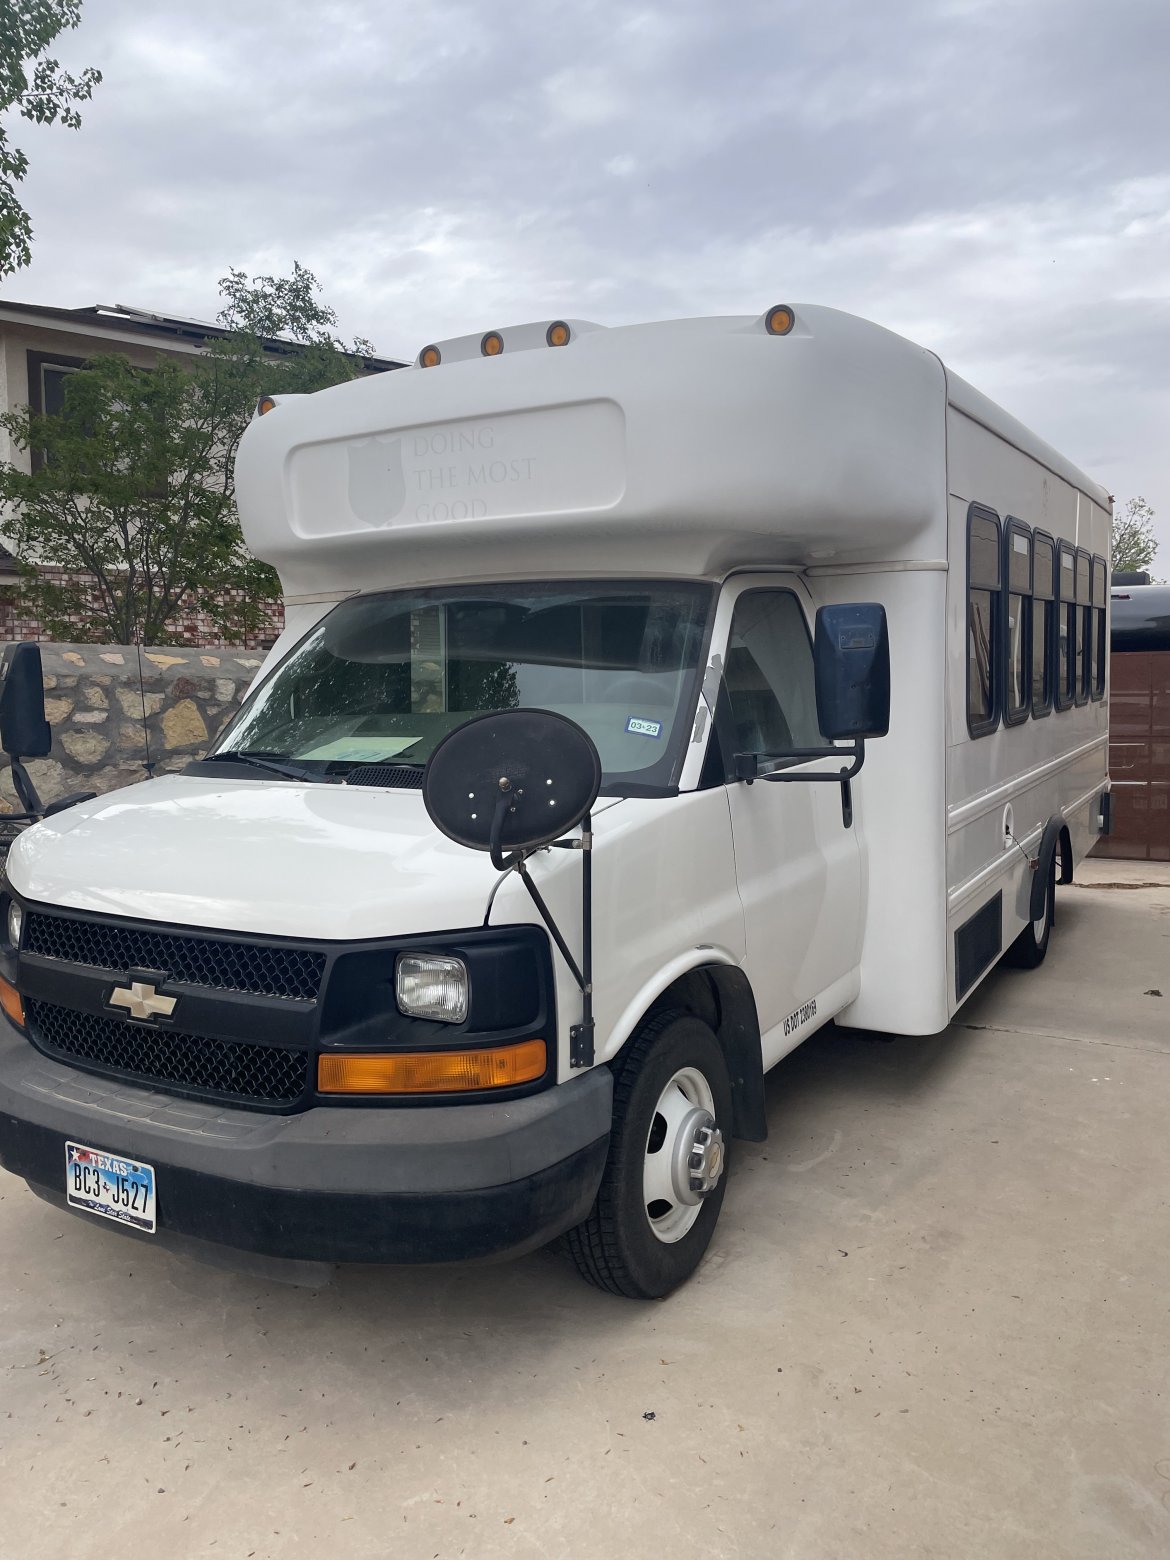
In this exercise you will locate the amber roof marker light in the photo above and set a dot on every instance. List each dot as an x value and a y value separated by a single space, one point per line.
430 357
492 344
779 320
558 334
266 403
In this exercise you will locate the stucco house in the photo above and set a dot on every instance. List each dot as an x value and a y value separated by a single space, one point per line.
41 345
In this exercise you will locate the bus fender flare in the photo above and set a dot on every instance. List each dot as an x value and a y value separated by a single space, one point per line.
717 990
1054 838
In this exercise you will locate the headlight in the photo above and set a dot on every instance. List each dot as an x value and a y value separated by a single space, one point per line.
431 987
15 924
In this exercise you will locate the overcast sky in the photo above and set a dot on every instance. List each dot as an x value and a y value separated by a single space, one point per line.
989 177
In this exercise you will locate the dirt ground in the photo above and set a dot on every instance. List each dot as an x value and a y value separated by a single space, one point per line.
934 1322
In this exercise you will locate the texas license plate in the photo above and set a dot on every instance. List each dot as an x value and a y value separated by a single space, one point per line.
110 1186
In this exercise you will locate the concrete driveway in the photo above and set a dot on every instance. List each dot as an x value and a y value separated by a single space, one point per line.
934 1323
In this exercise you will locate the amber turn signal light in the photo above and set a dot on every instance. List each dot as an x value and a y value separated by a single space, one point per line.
10 1001
431 1072
780 320
430 357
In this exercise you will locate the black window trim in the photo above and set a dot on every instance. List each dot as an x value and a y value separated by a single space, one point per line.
1082 686
984 727
1039 711
1016 527
1064 701
1101 623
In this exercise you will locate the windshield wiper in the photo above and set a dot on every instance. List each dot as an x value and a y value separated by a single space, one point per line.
262 760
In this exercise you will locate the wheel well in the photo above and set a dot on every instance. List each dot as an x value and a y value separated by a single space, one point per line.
721 995
1066 855
1055 840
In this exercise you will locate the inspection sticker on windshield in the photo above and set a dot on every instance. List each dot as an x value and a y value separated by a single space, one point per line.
643 728
110 1186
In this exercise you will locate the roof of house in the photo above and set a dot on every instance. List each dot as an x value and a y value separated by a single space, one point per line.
121 320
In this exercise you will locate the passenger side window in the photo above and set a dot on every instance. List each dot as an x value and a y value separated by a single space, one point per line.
983 609
1084 678
1066 630
1018 622
769 675
1099 639
1043 621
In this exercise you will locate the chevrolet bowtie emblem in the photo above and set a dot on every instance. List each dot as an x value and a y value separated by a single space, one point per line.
142 1001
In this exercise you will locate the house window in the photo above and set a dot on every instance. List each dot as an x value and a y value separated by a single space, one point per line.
1100 639
983 610
1043 621
1017 571
1066 628
47 377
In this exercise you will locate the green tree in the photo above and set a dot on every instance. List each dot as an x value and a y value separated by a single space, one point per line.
133 494
1134 543
48 96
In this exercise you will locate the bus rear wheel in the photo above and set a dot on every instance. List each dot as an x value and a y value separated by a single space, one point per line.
1030 947
666 1171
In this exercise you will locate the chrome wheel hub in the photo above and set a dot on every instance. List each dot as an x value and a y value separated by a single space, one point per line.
685 1155
706 1161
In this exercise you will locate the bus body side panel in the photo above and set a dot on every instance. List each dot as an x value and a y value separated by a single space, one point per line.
1002 787
899 799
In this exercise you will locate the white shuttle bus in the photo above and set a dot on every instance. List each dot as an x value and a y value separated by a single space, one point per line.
649 698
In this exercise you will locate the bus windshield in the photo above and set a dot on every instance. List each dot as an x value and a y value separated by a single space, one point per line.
383 678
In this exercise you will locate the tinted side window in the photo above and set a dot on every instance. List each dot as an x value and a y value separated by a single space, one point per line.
769 675
984 605
1066 628
1099 636
1043 621
1017 621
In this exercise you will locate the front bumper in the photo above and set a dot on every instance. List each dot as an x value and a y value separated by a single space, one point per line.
332 1184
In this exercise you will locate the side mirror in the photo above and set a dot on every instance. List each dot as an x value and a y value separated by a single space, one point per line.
24 731
851 663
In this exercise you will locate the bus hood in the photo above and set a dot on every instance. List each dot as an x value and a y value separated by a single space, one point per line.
275 858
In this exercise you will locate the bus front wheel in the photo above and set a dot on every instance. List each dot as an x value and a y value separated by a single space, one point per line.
666 1171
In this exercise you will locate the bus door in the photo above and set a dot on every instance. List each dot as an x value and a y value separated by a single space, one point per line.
797 865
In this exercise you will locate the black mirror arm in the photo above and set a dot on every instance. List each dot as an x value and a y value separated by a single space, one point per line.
747 765
546 917
71 800
580 1035
24 788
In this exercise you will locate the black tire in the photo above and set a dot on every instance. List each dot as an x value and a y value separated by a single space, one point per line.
1028 950
616 1247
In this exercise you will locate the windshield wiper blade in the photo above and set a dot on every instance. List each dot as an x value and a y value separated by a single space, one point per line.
262 760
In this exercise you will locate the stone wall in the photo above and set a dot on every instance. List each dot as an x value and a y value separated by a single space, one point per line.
95 704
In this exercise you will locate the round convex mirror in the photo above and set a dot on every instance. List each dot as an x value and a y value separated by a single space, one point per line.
528 775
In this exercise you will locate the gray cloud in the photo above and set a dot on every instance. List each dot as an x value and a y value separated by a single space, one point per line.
991 177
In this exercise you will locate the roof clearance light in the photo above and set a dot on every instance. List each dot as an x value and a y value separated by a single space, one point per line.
264 404
558 334
780 320
430 357
492 344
